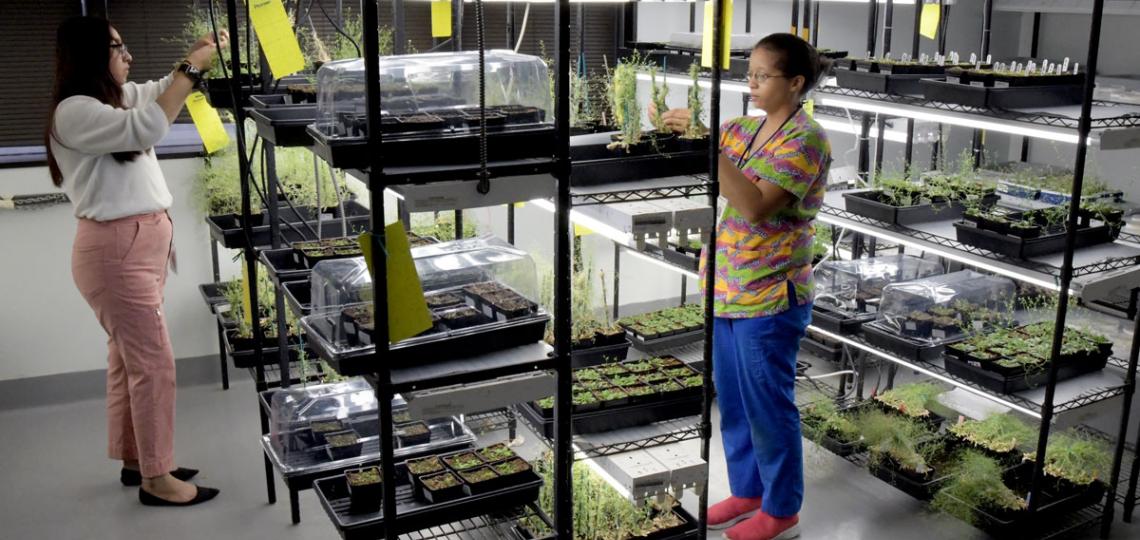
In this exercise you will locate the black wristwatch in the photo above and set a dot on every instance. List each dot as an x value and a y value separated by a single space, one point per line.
191 71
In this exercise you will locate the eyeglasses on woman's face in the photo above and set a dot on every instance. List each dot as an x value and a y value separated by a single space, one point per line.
761 78
121 48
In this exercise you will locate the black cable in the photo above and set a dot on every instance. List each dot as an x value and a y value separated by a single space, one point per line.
263 161
438 47
484 180
340 30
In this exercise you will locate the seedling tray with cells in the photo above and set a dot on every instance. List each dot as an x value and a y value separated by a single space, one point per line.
1012 360
848 293
310 252
285 125
227 229
686 323
1023 235
626 394
907 203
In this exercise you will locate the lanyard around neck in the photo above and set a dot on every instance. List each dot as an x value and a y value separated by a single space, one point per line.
744 156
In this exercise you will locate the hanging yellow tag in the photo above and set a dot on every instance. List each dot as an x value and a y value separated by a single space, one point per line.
275 33
441 18
809 107
408 313
581 231
246 308
805 34
928 24
209 124
726 34
520 204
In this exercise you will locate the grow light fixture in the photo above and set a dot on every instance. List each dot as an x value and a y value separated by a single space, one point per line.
918 113
929 373
980 263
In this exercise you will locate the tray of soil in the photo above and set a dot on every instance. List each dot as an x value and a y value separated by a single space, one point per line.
838 321
1018 379
412 141
822 347
600 354
413 434
343 445
595 162
418 514
875 205
884 82
311 252
242 350
992 97
1028 241
669 401
285 125
830 426
227 229
365 489
908 348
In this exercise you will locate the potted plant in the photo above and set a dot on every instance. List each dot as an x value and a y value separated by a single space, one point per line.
419 468
918 324
462 461
893 442
913 401
584 402
343 445
657 98
324 427
697 133
612 397
511 469
1075 460
999 435
365 489
479 480
824 424
976 485
413 434
624 104
496 452
441 488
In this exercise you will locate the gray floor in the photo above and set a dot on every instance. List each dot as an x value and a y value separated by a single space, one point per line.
58 485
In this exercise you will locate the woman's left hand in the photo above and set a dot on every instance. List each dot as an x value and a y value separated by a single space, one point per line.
208 40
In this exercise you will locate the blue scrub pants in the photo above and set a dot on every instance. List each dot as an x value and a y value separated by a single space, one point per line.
754 369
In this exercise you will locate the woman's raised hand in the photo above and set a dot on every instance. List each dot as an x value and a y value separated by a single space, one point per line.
674 119
202 52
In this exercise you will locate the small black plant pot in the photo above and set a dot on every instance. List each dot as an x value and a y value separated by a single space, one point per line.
339 446
441 488
365 489
1025 232
418 469
480 480
511 470
454 461
495 453
917 328
413 434
322 428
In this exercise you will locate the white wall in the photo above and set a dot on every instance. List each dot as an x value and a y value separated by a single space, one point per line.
45 325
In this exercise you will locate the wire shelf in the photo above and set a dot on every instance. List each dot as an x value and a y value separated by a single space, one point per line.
490 527
624 440
490 421
643 190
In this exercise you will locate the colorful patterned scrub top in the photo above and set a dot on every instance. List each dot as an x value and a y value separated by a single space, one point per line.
754 261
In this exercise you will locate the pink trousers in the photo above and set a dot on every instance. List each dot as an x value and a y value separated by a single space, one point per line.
119 267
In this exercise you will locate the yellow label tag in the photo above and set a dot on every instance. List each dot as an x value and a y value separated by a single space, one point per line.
246 308
726 35
441 18
581 231
520 204
209 124
408 313
928 24
809 107
275 33
805 34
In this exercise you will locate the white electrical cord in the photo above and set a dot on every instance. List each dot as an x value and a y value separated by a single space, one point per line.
340 200
522 30
825 375
317 178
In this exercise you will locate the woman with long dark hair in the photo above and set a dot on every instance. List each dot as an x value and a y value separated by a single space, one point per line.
773 172
100 141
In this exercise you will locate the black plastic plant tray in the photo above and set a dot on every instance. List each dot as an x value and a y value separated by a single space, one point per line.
438 347
830 352
592 163
1024 248
298 296
285 125
227 229
283 266
908 349
984 97
686 402
212 294
838 322
415 515
1008 384
687 529
882 83
309 463
593 356
864 203
244 357
1018 525
919 488
516 143
663 344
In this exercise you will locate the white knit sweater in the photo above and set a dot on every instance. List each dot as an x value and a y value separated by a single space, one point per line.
88 131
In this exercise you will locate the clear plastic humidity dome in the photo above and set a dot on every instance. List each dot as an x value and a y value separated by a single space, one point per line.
856 287
944 308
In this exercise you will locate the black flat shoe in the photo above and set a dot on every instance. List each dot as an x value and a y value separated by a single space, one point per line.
131 478
204 494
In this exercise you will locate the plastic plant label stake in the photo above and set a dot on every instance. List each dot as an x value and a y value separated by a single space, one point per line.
275 32
726 35
581 231
246 308
208 123
809 108
441 18
928 24
408 313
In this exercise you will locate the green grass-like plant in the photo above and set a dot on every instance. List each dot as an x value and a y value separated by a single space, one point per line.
975 482
1076 457
894 437
913 400
999 433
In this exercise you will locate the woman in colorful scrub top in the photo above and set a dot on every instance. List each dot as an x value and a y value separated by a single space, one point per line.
773 172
